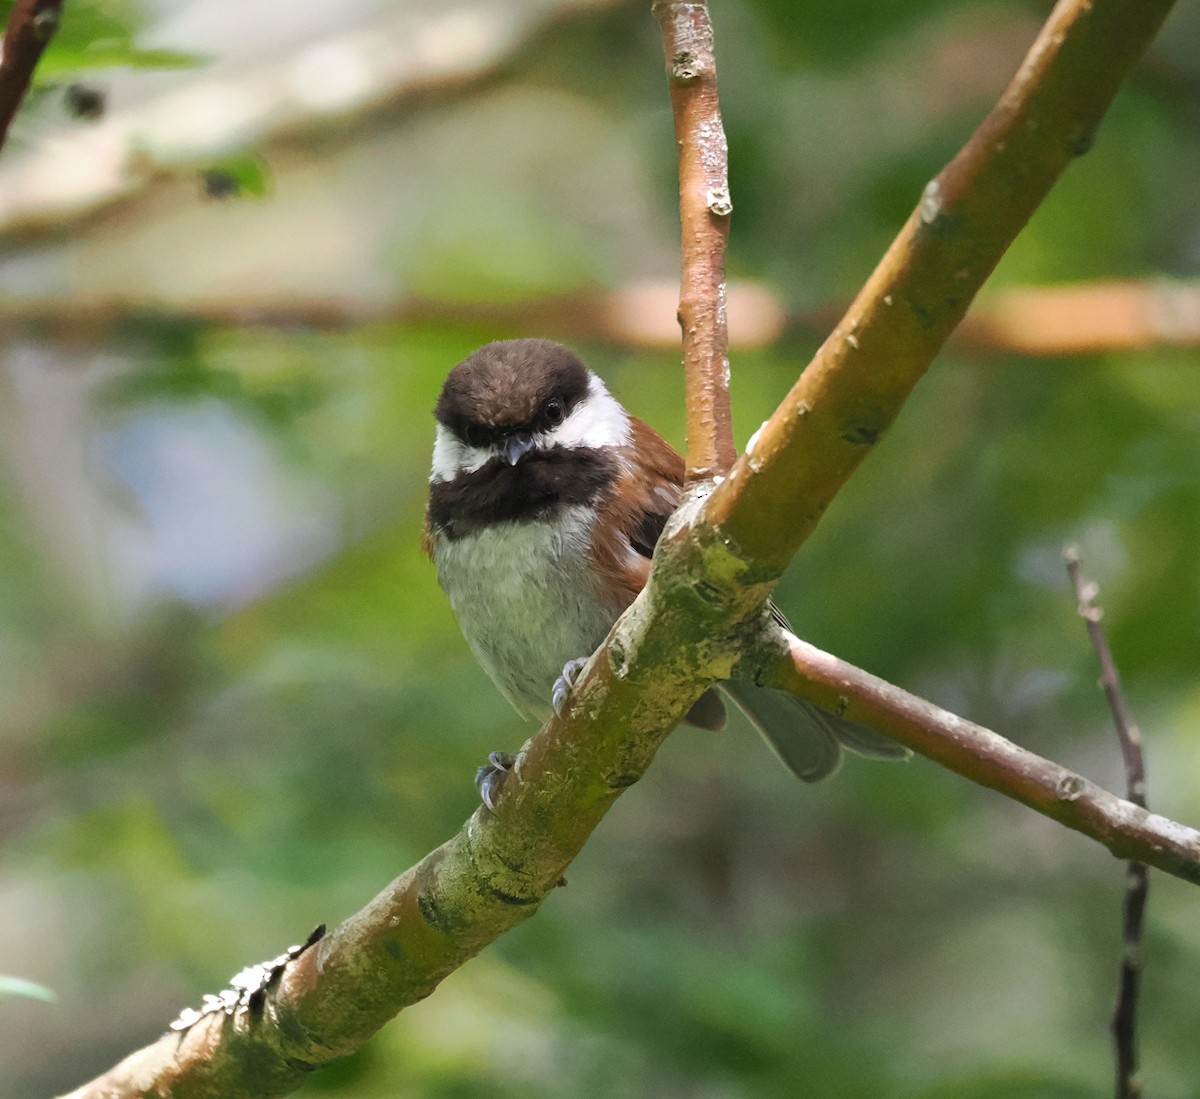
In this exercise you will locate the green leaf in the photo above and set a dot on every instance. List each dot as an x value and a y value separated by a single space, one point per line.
111 54
103 34
238 177
29 990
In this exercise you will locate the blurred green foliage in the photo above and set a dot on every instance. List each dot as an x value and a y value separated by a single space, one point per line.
101 34
92 39
192 782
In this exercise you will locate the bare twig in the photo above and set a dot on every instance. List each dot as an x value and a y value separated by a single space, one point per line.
986 758
855 386
1128 734
1137 878
1086 317
704 210
633 314
1080 318
31 25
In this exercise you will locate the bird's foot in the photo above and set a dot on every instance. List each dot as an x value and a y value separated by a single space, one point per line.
490 777
564 683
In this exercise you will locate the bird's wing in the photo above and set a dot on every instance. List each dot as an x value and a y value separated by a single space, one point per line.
657 484
636 511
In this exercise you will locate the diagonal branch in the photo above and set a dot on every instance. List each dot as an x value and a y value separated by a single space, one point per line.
31 25
986 758
485 880
855 386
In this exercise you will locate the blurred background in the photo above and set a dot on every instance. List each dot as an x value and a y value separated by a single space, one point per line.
240 247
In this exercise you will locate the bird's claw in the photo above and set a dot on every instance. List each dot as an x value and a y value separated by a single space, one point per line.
490 777
564 683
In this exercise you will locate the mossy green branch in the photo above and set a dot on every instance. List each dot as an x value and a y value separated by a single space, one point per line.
676 639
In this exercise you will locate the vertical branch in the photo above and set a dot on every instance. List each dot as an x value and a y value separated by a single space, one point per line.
1137 882
704 209
31 25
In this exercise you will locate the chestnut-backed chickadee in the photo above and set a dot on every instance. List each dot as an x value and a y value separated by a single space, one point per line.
545 503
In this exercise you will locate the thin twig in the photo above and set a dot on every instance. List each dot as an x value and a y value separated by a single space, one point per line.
1087 317
704 210
1128 734
1051 321
1137 878
31 25
1128 830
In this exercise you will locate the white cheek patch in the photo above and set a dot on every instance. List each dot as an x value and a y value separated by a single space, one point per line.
451 456
597 421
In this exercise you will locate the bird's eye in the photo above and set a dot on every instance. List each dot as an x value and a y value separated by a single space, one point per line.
554 411
476 435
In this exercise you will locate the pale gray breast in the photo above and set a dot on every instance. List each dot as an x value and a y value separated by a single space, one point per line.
525 600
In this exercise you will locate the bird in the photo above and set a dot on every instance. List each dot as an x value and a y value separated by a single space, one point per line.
546 501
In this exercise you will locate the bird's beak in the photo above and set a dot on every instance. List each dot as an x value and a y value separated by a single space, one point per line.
515 445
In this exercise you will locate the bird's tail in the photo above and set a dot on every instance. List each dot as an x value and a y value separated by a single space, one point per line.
808 740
